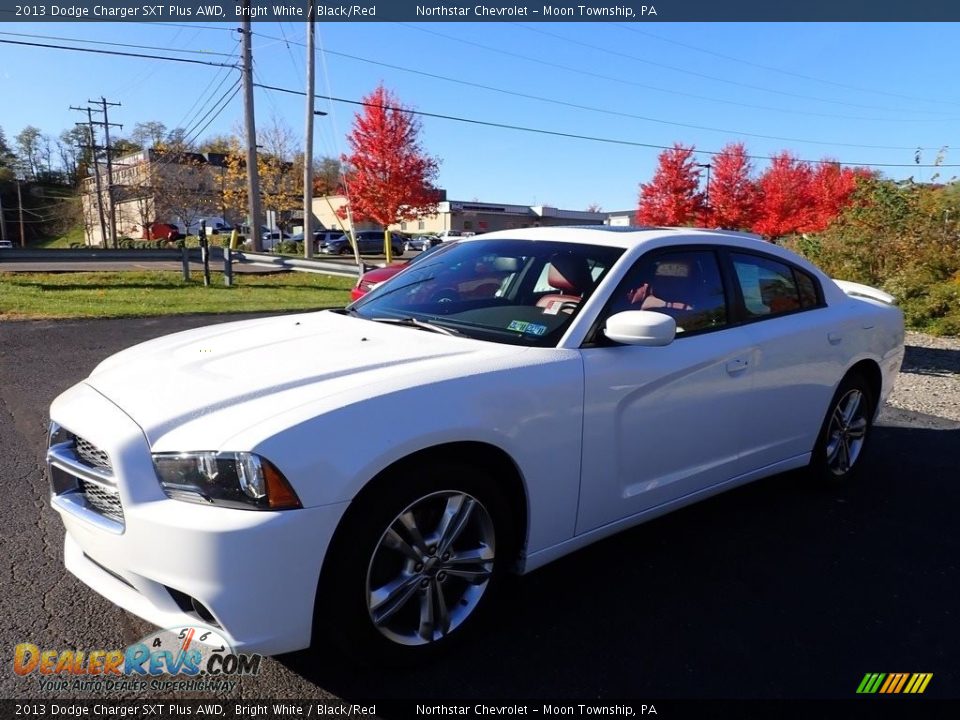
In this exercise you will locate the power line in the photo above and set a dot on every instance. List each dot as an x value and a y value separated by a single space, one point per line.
618 113
113 44
694 73
118 53
606 111
623 81
575 136
790 73
235 91
669 91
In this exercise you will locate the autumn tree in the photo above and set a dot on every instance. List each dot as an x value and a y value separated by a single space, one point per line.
327 178
182 185
732 193
216 144
831 190
391 177
786 197
673 196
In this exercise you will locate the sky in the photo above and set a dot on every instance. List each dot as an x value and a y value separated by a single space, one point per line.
853 92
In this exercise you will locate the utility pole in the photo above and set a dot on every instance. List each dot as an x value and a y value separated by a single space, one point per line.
23 234
308 147
253 173
3 220
93 147
110 186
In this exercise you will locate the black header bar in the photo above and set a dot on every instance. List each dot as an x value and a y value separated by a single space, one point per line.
648 11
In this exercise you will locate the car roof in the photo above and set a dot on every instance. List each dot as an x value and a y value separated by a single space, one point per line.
624 236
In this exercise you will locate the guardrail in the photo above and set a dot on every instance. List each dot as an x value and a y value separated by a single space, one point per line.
327 267
185 256
95 254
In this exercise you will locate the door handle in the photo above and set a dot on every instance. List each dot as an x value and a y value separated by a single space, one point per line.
737 366
834 338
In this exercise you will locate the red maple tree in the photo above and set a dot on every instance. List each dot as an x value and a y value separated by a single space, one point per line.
732 194
786 197
831 187
391 177
673 196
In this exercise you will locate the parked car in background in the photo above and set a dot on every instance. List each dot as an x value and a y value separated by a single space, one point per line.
377 276
448 235
370 242
6 245
421 242
162 231
270 238
320 238
497 405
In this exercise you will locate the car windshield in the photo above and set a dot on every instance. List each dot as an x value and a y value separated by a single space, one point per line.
522 292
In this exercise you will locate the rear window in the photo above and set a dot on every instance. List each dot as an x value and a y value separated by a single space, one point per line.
771 288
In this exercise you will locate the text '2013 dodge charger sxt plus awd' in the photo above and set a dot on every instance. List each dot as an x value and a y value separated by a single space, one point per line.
506 401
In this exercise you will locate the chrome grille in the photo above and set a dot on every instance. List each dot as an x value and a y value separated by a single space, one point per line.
104 500
92 455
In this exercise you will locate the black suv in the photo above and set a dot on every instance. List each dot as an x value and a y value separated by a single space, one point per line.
369 241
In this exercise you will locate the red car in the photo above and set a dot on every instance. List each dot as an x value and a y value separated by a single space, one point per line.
369 280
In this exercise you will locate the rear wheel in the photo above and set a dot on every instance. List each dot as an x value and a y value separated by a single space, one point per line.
845 431
415 564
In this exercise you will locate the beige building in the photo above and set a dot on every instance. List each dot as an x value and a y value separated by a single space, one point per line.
152 186
468 216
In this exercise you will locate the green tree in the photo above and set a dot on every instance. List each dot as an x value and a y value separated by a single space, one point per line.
7 159
29 150
149 134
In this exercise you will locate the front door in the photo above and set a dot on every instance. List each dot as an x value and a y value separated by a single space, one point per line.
661 423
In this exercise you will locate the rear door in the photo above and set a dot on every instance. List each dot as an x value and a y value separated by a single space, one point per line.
800 355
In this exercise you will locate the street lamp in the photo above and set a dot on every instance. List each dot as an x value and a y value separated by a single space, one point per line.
707 166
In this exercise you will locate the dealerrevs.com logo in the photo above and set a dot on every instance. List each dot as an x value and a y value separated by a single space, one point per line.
188 658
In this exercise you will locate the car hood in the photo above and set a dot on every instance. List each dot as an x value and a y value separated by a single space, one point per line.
196 390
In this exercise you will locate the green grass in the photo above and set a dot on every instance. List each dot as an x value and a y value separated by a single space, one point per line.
74 235
138 294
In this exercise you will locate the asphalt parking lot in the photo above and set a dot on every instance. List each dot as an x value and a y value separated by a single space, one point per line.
783 588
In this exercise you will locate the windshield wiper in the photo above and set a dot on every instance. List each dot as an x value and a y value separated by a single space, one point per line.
417 323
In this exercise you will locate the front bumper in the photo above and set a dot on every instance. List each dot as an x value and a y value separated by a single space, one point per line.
256 572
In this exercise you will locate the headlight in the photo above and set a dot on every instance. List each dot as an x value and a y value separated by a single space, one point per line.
239 480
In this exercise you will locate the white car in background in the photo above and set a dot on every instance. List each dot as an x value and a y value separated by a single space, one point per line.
510 399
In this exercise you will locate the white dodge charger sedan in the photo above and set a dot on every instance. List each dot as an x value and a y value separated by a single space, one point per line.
369 475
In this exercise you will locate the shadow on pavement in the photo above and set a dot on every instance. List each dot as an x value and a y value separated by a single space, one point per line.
783 588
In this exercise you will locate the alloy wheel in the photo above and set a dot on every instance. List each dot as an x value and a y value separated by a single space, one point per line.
847 432
430 568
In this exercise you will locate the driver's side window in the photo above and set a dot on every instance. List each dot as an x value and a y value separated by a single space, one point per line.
684 284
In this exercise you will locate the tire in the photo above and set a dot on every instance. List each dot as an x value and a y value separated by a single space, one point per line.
838 454
344 250
397 250
436 596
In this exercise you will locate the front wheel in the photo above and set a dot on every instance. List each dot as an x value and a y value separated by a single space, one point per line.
845 431
415 564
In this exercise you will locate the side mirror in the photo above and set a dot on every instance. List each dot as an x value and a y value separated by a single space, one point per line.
641 327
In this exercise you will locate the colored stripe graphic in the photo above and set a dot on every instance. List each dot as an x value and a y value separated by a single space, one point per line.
894 683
